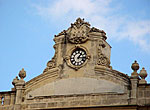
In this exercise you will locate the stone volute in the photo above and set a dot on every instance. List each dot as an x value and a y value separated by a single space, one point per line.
135 66
143 75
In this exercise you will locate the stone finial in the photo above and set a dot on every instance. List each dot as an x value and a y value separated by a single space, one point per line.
22 74
135 66
143 75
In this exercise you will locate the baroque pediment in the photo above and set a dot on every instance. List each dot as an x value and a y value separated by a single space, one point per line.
75 39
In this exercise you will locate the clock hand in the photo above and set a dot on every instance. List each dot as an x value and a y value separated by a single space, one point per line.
80 56
77 57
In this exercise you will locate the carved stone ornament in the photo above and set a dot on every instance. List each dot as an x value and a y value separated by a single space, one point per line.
69 54
61 33
78 32
52 63
102 59
93 29
135 66
15 80
22 73
143 75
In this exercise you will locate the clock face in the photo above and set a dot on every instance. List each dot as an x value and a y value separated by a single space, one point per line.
78 57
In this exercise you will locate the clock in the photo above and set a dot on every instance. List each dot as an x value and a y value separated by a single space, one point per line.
78 57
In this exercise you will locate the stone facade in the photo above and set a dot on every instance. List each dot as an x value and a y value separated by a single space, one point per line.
79 76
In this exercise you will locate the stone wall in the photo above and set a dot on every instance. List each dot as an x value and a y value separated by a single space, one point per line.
7 100
86 100
143 94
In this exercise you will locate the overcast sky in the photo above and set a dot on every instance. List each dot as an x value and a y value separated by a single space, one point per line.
27 29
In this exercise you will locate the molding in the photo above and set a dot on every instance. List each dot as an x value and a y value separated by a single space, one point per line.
112 75
50 75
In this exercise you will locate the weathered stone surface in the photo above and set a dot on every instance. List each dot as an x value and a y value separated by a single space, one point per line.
52 104
147 94
91 84
77 86
37 105
7 108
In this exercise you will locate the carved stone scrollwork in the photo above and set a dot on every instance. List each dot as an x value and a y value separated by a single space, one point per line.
78 32
52 63
102 59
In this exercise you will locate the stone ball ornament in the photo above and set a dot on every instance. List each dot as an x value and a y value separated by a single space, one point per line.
22 73
135 66
143 75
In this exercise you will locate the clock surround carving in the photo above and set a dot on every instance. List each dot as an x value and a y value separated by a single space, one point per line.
78 57
69 53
